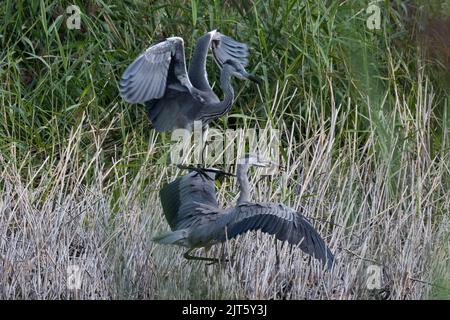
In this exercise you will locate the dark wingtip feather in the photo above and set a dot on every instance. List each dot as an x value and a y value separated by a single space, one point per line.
285 223
313 243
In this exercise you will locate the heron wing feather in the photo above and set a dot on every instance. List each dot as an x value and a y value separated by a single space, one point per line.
188 199
223 48
285 223
162 65
226 48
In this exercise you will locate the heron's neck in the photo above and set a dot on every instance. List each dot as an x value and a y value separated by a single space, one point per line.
197 67
216 110
244 184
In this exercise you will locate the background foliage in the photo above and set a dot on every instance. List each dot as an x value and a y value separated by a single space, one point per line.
381 97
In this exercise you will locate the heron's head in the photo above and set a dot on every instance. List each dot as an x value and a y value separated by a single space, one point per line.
256 160
239 71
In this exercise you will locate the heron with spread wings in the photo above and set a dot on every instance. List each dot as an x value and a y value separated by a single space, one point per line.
175 97
191 208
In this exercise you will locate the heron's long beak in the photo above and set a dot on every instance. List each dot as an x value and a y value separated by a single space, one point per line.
264 164
270 164
251 77
254 78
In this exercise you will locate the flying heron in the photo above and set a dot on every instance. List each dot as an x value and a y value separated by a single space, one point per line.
191 208
176 98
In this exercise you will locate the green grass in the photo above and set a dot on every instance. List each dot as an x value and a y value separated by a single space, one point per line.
364 117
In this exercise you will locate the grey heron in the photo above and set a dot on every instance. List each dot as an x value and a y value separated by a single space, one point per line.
175 97
191 208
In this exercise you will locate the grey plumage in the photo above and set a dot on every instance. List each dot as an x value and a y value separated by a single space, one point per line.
181 198
174 97
196 220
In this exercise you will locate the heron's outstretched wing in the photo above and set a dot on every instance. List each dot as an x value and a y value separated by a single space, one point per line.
161 66
283 222
226 48
223 47
182 197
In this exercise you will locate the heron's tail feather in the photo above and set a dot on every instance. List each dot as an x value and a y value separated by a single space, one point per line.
172 237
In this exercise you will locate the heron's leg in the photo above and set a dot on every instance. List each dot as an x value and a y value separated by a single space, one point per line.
204 137
223 258
218 260
187 256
